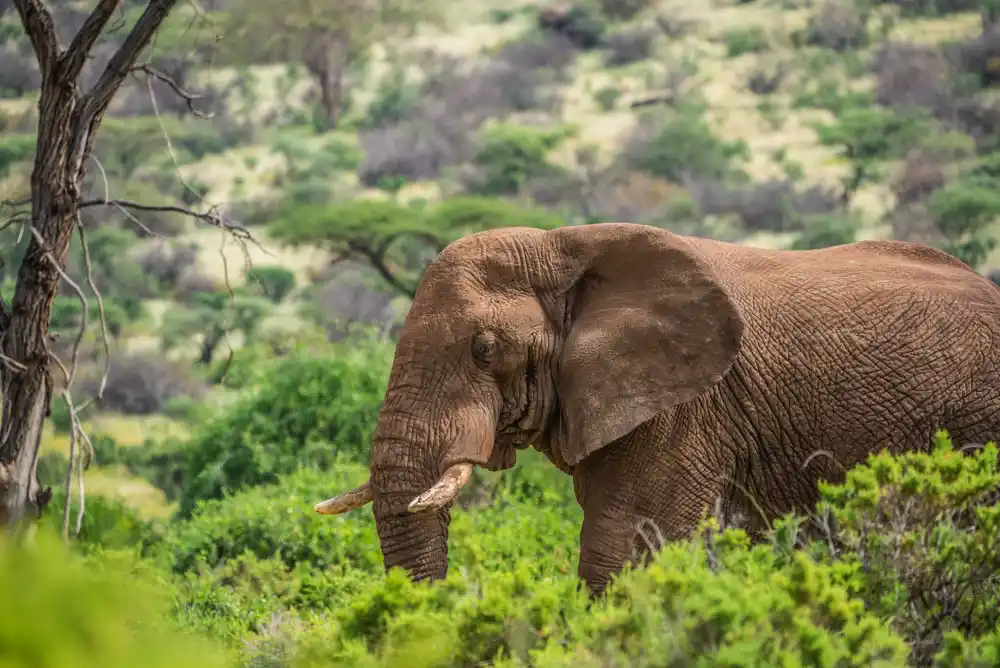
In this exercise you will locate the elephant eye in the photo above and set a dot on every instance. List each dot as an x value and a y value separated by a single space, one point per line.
485 347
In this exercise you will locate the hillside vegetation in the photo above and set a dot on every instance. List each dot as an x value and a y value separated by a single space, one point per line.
354 144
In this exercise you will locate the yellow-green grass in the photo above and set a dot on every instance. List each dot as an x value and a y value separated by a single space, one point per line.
127 430
115 482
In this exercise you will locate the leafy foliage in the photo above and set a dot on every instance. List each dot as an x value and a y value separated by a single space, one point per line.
376 231
313 407
89 614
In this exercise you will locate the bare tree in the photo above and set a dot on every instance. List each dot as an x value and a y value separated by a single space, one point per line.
68 121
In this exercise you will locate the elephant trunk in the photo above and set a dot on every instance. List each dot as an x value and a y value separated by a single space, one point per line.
417 470
414 483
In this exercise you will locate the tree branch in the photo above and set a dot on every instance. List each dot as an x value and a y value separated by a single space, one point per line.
98 99
212 218
75 57
41 30
188 97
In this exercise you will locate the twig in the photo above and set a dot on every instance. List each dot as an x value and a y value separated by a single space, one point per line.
76 428
124 58
104 323
211 218
188 97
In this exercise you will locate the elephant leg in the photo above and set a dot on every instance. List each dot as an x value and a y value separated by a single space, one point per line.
638 493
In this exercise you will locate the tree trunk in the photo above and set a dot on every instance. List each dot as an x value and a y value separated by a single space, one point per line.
67 124
208 345
331 92
27 381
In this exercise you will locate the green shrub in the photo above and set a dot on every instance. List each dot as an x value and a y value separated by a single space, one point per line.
746 40
161 462
683 144
825 230
51 470
964 212
277 521
99 613
395 99
458 216
125 144
313 407
917 537
510 154
722 604
607 97
274 282
866 136
108 523
580 22
15 149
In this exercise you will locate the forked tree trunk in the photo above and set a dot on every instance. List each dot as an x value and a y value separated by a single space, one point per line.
27 380
67 124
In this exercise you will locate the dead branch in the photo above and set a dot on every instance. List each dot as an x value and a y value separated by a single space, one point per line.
76 427
188 97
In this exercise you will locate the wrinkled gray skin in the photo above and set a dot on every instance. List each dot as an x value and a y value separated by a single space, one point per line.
669 375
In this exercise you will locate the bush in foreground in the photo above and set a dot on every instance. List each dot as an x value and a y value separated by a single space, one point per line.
59 610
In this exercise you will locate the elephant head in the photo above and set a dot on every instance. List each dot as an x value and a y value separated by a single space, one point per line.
566 340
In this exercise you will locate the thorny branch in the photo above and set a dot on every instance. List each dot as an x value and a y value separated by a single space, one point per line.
188 97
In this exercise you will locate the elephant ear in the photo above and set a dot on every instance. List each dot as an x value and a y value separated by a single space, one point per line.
648 326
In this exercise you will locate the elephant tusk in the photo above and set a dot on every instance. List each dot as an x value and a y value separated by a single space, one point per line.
444 490
345 502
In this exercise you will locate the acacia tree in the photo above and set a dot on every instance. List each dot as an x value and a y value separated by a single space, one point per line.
327 43
68 121
396 240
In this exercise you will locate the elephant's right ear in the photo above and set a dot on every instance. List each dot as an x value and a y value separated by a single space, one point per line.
649 325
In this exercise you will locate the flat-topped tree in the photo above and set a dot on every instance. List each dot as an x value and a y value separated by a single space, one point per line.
69 119
396 240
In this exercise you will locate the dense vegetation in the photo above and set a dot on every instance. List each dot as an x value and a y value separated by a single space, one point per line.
355 147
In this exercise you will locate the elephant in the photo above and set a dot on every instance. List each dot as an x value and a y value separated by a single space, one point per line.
669 375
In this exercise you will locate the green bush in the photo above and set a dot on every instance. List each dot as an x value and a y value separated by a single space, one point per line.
108 523
125 144
607 97
964 212
274 282
395 99
313 407
824 230
510 154
867 136
682 144
102 612
722 604
746 40
15 149
51 469
161 462
277 521
917 537
459 216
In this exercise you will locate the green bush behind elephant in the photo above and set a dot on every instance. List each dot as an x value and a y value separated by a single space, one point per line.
670 376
